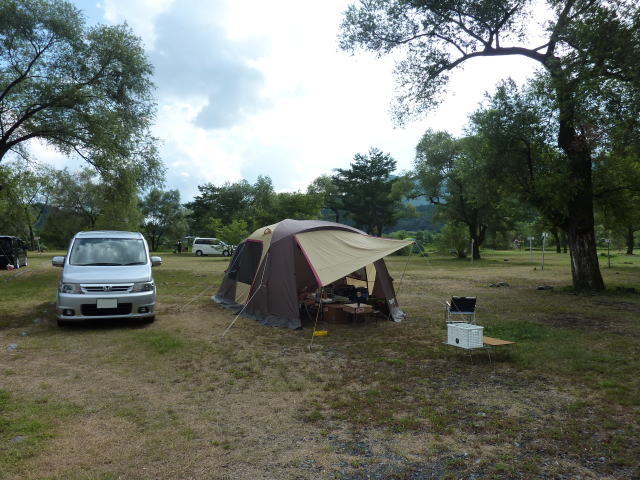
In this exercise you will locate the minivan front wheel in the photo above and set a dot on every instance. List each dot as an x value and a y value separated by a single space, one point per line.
198 253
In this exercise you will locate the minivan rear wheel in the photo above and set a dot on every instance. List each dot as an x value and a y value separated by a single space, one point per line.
198 253
225 253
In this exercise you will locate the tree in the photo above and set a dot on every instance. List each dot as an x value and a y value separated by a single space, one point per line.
327 189
233 233
296 205
617 194
120 207
29 191
453 239
231 201
163 216
81 193
586 56
86 91
365 191
256 205
454 175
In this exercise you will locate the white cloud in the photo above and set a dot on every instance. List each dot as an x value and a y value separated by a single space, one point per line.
253 87
139 14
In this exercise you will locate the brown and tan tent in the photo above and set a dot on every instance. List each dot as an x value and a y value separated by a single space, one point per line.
277 264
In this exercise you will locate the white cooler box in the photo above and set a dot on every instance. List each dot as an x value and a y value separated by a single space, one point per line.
464 335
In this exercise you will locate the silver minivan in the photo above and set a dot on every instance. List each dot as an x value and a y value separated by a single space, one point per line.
106 274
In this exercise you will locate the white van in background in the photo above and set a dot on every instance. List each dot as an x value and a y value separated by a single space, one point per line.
210 246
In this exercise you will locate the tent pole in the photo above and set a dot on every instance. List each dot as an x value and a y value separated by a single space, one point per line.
266 259
313 334
402 277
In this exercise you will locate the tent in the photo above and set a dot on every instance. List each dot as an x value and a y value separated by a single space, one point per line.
279 263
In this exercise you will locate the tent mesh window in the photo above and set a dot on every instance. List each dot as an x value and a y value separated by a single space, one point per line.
245 262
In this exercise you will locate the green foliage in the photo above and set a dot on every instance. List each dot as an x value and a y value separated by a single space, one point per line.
120 208
87 91
366 191
453 238
256 205
164 217
234 233
325 187
456 176
231 201
295 205
24 195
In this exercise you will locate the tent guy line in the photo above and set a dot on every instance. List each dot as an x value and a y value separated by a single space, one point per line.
266 259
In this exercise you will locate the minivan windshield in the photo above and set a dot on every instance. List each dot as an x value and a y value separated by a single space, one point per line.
108 251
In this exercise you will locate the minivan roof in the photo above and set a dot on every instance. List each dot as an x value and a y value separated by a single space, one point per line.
108 234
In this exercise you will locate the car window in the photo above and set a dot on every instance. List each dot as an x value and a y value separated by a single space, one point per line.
108 251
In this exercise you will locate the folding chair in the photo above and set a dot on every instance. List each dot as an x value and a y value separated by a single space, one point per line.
461 310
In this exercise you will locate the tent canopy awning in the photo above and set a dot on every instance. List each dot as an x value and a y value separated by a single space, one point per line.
333 254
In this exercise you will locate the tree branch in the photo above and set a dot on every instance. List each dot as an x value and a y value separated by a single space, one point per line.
559 26
495 52
23 75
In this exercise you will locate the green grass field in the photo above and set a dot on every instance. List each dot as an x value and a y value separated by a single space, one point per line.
175 400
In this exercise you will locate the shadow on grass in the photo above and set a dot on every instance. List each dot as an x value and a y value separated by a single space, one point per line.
41 313
45 314
103 324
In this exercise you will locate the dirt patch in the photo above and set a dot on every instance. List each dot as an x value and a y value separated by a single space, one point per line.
590 323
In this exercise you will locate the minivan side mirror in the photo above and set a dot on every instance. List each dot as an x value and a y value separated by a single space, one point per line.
156 261
57 261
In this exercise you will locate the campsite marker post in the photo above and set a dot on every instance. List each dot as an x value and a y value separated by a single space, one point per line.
530 249
544 238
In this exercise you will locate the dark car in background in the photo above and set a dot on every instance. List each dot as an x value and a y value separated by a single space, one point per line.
13 251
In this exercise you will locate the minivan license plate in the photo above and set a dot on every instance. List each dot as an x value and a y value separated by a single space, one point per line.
107 303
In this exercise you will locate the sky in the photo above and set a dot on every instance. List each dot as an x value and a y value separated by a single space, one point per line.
261 88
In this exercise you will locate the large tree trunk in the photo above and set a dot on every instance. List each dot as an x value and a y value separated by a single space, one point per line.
476 250
579 225
629 240
477 232
563 236
585 268
556 239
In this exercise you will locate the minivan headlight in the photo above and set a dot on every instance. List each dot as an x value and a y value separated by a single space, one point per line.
69 288
142 287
